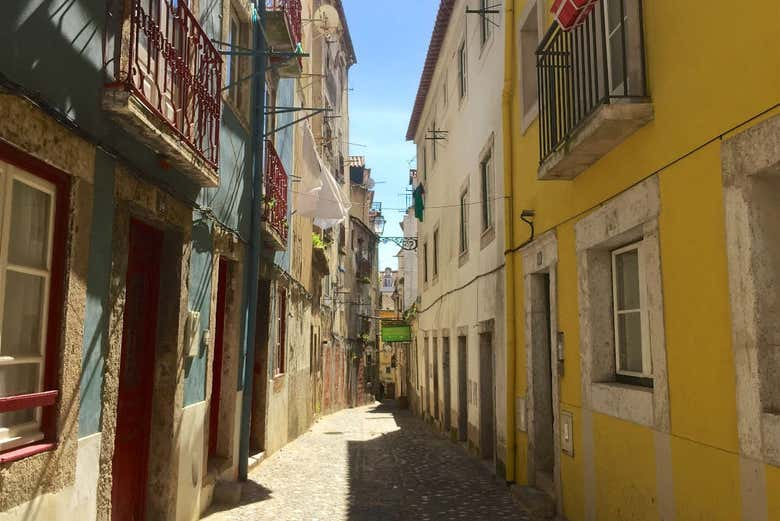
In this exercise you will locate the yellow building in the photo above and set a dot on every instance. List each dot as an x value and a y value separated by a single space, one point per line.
642 301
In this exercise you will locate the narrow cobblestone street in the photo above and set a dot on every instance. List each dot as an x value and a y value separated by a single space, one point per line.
372 463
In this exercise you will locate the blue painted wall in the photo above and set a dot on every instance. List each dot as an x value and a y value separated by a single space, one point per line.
98 307
54 50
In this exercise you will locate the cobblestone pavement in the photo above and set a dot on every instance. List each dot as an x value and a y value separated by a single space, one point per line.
373 463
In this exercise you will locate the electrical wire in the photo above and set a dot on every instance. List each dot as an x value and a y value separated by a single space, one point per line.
469 283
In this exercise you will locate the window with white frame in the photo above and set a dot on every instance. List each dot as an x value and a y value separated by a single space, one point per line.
464 221
462 69
529 41
632 345
486 189
620 298
26 236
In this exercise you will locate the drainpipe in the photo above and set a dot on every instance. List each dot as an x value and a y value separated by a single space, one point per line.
509 256
255 243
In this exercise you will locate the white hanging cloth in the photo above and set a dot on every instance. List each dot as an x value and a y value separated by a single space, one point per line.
320 196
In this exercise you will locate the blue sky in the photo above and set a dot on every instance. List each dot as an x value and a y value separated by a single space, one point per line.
391 39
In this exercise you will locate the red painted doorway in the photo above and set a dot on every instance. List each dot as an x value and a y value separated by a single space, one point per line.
136 378
223 280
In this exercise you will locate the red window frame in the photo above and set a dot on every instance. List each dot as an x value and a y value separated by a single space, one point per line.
48 397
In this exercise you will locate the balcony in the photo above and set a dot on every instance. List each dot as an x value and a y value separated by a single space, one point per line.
167 78
592 88
275 225
283 32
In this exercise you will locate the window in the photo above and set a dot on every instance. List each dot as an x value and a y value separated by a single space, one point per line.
444 90
436 252
632 347
615 19
529 41
237 66
462 69
486 190
425 262
270 117
484 21
622 334
233 62
27 207
281 331
424 162
434 135
464 221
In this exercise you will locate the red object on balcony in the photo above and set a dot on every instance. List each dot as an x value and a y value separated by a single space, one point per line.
171 65
292 13
571 13
275 200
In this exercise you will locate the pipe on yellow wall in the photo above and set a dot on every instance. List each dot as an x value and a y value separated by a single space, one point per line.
506 112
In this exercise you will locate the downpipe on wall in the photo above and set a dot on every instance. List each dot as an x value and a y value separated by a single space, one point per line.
253 273
509 256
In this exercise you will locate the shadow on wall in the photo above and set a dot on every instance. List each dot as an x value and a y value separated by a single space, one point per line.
412 473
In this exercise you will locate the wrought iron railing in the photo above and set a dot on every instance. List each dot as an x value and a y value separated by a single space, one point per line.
292 13
275 199
170 64
598 62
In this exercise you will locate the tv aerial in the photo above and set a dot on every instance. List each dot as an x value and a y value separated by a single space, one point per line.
327 21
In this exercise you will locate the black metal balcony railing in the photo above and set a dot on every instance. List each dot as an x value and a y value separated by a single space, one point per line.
596 63
170 64
275 201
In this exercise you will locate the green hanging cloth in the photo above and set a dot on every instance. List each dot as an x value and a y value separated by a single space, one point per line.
419 202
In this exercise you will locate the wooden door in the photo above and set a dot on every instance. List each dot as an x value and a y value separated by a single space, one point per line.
136 378
216 364
463 411
486 397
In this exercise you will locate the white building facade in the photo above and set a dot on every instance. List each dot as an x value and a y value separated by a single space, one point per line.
457 127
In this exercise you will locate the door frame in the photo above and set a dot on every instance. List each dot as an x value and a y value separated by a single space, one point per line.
134 198
541 257
143 236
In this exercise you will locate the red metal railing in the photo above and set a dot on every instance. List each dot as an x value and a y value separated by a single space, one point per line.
172 66
275 200
292 12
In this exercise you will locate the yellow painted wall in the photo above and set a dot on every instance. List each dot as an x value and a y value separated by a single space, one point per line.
568 317
703 82
773 492
702 387
625 470
706 482
573 472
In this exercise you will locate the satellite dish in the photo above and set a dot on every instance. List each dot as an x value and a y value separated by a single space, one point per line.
370 184
327 20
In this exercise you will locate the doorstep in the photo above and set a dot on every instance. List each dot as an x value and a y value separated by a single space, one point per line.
255 460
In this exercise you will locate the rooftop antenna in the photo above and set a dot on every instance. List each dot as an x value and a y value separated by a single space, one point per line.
327 22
